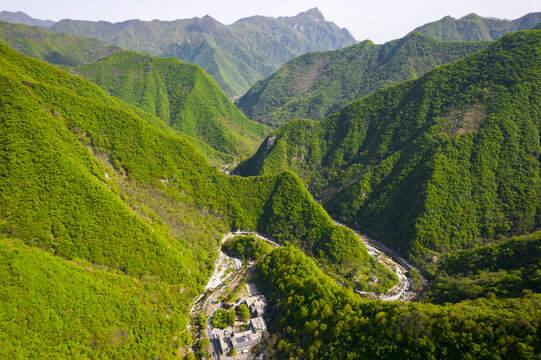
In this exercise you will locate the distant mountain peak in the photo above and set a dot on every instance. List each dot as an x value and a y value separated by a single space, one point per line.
20 17
313 13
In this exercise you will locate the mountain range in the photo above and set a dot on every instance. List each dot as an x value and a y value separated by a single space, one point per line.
60 49
473 27
20 17
317 84
432 164
113 209
111 223
235 55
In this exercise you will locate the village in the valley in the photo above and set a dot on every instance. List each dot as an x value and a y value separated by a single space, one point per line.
232 313
244 335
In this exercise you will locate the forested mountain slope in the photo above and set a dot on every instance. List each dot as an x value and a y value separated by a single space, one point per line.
431 164
60 49
315 318
235 55
317 84
182 96
473 27
110 225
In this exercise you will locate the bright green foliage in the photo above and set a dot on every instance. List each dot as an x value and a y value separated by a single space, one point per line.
181 95
75 309
317 84
431 164
220 319
503 269
204 344
244 312
92 180
316 318
247 247
236 55
60 49
473 27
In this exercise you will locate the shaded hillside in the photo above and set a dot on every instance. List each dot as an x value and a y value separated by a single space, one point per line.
317 84
235 55
505 269
431 164
59 49
473 27
110 225
20 17
182 96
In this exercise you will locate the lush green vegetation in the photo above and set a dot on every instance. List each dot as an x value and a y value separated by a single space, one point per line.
429 165
507 268
182 96
53 308
244 312
473 27
236 55
87 180
222 318
60 49
317 84
247 247
314 318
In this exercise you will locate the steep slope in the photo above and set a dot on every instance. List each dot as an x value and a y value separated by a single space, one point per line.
20 17
235 55
59 49
473 27
182 95
110 225
315 85
432 164
505 269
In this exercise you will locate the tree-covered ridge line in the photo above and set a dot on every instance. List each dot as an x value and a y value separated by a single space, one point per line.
431 164
235 55
504 269
316 318
86 178
58 49
182 96
473 27
316 84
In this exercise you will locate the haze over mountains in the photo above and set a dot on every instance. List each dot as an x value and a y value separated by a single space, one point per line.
59 49
473 27
235 55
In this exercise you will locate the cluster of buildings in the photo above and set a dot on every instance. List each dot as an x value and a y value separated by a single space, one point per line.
228 339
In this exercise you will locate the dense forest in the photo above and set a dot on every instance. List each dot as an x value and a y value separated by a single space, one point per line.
182 96
317 84
315 318
90 186
113 206
433 164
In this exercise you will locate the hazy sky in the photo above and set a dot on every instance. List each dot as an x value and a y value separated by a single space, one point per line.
378 20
